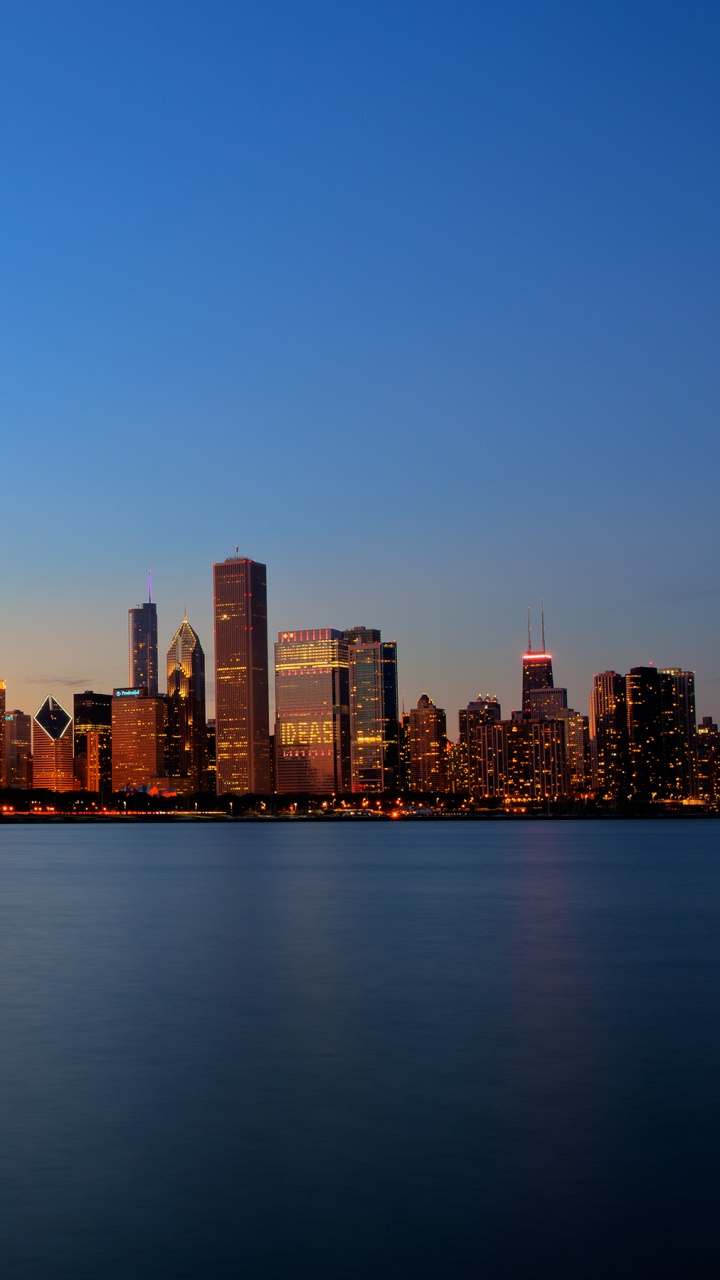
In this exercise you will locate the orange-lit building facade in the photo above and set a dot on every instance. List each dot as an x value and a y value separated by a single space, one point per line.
187 730
3 763
427 728
312 699
242 718
138 739
53 764
97 745
18 750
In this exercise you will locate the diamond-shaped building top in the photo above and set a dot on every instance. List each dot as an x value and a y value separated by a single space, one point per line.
53 718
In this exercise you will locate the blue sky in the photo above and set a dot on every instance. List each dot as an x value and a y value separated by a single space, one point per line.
417 303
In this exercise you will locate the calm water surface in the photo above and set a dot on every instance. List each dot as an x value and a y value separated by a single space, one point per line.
407 1050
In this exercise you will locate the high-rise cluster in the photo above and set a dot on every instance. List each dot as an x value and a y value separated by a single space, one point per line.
336 728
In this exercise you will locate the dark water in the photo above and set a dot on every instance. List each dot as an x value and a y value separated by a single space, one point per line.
419 1050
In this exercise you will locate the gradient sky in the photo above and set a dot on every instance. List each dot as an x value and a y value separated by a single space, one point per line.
416 302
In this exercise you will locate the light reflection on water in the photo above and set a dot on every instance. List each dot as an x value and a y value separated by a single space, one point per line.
429 1049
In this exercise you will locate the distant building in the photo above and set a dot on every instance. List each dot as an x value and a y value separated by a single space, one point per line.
186 732
426 740
312 701
210 741
139 723
97 752
708 761
680 730
552 704
522 761
477 714
546 703
93 714
242 726
577 750
53 748
661 733
373 711
3 763
404 751
609 747
456 769
537 669
143 646
18 750
644 692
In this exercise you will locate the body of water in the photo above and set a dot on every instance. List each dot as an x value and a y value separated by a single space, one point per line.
360 1050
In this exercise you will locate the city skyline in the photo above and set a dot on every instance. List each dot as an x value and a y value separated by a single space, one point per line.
508 687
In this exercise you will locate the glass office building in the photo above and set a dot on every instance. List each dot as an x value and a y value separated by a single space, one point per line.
187 731
143 647
93 715
312 700
374 725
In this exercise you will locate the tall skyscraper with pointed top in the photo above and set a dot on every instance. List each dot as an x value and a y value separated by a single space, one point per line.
187 730
537 668
143 645
242 718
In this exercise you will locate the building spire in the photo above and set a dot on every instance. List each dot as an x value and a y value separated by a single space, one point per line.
542 615
529 648
149 586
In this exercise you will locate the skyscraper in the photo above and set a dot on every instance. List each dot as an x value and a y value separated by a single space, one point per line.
138 739
18 749
537 669
521 761
644 693
92 714
609 749
427 737
481 712
681 726
53 747
547 703
312 701
708 754
3 766
373 710
143 645
242 718
187 732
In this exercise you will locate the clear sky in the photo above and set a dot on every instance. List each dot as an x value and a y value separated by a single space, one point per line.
417 302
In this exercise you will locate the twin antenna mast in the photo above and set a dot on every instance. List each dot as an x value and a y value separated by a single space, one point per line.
542 617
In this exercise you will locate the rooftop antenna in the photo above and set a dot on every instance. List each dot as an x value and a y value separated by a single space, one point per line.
529 649
237 551
149 586
542 615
